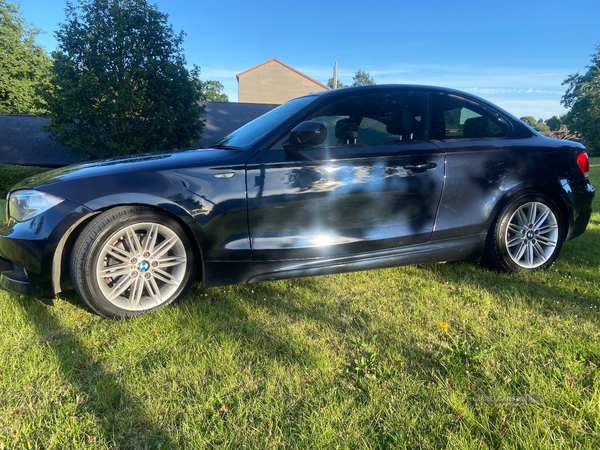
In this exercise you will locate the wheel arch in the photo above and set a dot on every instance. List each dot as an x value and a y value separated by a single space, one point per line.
559 200
61 277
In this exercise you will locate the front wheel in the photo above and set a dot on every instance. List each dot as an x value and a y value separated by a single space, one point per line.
131 260
527 235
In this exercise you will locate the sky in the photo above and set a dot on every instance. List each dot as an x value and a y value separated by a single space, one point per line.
514 53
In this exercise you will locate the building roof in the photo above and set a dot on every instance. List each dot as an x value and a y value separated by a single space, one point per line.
284 65
23 142
224 117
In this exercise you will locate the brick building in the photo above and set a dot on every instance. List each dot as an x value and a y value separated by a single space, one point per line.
274 82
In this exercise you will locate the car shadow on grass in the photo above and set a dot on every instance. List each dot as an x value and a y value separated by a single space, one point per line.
120 418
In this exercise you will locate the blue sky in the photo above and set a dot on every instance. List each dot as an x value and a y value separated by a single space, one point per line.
513 53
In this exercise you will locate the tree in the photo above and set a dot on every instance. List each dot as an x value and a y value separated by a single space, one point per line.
537 125
541 126
211 90
24 65
554 123
362 78
339 84
121 86
529 120
583 101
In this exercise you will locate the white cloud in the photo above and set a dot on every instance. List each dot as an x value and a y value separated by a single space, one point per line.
521 91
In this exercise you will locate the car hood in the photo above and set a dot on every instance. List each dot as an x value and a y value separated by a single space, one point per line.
124 166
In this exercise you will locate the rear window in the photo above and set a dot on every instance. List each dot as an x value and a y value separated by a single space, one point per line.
457 118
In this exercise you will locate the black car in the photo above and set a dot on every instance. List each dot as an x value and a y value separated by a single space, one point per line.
343 180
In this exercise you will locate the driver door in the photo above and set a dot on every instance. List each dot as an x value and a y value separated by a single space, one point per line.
373 184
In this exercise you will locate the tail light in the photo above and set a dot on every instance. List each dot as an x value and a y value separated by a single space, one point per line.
584 164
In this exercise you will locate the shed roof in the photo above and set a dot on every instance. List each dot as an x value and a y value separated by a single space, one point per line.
23 142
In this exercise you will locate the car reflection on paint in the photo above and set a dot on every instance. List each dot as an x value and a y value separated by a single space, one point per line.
350 179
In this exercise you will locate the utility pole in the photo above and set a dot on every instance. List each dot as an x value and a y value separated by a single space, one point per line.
335 70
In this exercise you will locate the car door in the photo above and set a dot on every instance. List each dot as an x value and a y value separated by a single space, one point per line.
374 184
483 163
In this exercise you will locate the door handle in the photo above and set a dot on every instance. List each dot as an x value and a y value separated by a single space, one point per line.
421 166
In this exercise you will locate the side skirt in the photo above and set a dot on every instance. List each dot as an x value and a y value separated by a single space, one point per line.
221 273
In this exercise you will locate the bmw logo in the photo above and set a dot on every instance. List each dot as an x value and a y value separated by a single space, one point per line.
144 266
529 236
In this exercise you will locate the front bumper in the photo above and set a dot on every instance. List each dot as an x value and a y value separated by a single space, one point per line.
27 249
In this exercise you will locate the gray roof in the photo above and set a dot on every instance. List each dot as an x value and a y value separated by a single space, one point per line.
223 118
23 142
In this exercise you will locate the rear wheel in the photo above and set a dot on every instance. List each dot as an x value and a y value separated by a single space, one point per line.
527 235
131 260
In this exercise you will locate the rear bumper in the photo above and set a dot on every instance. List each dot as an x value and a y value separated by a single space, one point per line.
581 195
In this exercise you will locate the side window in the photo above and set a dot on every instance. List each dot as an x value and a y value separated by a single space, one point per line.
456 118
373 119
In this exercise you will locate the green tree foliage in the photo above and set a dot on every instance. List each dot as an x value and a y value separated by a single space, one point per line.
529 120
211 91
339 84
554 123
583 100
537 125
24 65
362 78
121 86
541 126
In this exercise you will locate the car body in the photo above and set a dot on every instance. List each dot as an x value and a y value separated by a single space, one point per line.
342 180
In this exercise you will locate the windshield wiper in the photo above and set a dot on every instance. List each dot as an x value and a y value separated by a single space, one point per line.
225 147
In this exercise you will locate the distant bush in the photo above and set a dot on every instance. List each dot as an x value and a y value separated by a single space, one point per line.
11 174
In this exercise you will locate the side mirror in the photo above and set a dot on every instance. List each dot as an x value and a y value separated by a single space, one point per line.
306 134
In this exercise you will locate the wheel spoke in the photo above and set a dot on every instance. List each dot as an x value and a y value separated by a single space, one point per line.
515 228
532 213
539 251
522 218
166 277
529 254
514 241
118 253
164 247
546 241
520 251
150 238
547 228
172 261
121 286
115 270
135 294
133 241
541 219
154 291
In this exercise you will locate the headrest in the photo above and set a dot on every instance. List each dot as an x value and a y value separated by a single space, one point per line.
475 127
346 129
404 124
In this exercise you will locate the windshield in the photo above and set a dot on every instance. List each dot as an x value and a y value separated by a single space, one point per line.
251 132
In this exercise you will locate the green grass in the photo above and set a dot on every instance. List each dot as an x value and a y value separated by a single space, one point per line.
12 174
348 361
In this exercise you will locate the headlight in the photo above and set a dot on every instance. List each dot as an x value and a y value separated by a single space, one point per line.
25 204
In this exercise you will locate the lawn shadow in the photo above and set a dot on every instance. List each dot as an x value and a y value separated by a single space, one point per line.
572 263
122 420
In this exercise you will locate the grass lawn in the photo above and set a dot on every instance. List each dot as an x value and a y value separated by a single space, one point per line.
434 356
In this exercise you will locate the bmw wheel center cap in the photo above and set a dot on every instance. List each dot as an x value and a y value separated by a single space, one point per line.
144 266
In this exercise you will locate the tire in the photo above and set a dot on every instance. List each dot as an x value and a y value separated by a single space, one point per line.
527 235
131 260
